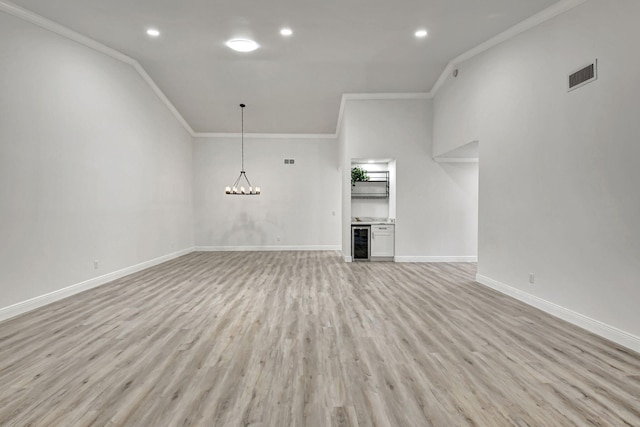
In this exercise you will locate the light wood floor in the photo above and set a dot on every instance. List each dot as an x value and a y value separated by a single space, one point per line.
303 339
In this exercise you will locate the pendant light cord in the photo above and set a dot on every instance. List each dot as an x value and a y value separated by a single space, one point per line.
242 134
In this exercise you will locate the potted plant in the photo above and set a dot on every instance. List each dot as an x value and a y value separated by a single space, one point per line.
358 175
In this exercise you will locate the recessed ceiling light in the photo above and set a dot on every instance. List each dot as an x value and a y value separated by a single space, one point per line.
286 31
421 33
243 45
153 32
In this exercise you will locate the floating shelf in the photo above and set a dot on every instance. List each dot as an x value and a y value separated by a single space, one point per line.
376 188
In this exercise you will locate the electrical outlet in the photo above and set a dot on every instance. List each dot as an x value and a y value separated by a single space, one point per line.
96 264
278 239
532 278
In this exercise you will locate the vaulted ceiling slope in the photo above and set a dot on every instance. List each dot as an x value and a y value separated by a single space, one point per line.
290 84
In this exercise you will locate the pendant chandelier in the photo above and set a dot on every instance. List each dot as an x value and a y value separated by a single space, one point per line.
238 188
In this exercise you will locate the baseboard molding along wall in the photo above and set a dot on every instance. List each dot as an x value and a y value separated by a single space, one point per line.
42 300
609 332
436 259
266 248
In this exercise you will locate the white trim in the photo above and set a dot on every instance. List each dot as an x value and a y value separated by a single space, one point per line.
376 96
387 95
533 21
266 135
456 159
347 258
443 77
436 259
266 248
529 23
163 98
42 300
609 332
343 102
42 22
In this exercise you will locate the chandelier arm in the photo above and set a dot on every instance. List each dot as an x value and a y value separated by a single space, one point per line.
237 180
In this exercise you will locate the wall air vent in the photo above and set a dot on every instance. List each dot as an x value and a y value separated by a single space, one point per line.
583 76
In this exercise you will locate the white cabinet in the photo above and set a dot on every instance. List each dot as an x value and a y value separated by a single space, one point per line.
382 241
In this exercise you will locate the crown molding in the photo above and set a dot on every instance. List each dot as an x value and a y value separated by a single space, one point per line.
390 95
535 20
54 27
266 135
529 23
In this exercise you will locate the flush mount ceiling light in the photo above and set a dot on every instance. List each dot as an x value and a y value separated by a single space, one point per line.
238 189
421 34
286 31
153 32
242 45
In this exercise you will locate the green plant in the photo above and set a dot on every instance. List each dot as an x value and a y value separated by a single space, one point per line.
358 174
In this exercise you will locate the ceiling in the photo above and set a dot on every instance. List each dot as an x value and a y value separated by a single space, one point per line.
294 84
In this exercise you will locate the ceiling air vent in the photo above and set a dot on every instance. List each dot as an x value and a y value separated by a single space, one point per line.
583 76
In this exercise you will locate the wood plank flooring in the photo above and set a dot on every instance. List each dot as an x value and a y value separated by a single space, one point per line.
303 339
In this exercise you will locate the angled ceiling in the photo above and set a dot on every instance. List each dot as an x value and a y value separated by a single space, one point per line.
294 84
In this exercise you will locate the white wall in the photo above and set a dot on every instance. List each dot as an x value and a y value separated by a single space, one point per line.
558 171
436 204
92 166
299 207
344 169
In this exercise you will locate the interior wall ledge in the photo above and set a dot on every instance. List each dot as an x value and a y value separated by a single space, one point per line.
465 153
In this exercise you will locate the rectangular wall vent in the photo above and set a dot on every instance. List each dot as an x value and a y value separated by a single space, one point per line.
583 76
289 161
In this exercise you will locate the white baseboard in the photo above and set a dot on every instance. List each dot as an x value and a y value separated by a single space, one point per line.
347 258
436 259
609 332
266 248
42 300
